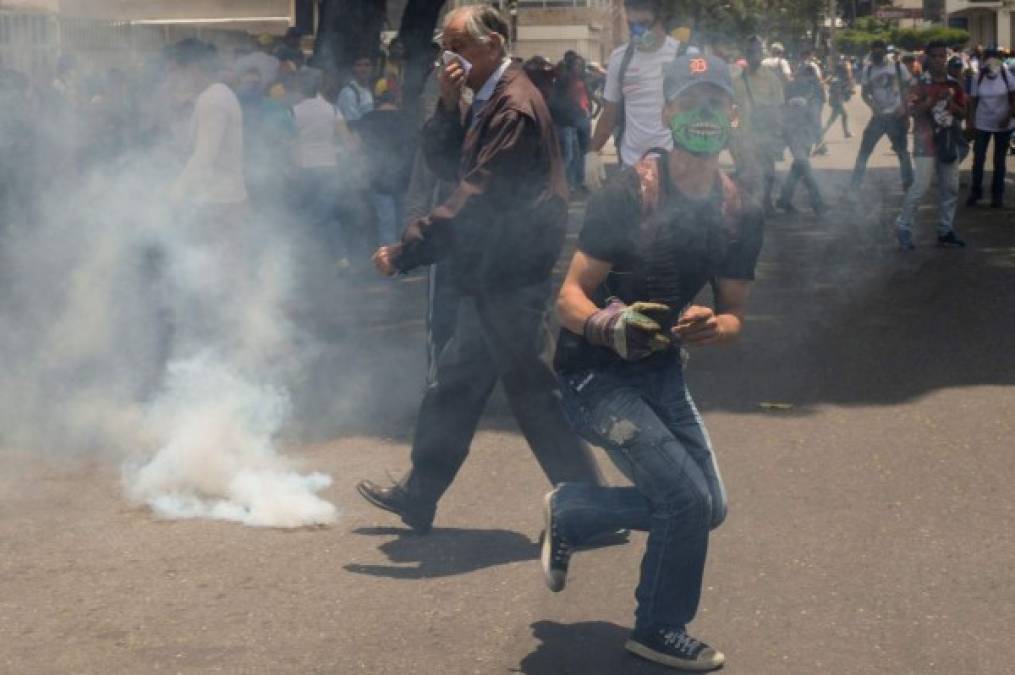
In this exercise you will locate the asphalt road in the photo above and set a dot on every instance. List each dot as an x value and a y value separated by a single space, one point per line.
870 526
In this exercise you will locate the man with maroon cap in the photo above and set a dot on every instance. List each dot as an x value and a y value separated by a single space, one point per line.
652 239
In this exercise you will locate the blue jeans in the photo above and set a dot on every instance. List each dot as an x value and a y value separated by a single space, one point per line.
317 201
643 416
896 129
568 151
947 194
584 131
388 210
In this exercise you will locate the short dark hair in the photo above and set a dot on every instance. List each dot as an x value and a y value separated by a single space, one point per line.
878 44
935 44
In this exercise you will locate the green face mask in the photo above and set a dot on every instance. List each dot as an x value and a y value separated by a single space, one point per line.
702 131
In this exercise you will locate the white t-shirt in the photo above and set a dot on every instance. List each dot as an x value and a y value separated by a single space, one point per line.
883 84
779 65
316 144
214 172
993 112
643 98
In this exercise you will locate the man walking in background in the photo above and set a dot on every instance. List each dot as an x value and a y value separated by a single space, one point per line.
759 142
356 98
992 104
320 132
633 93
212 180
500 231
884 87
938 105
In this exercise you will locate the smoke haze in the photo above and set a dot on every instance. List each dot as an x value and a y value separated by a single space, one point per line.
135 330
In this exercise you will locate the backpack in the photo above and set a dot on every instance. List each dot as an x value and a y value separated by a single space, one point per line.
949 142
650 181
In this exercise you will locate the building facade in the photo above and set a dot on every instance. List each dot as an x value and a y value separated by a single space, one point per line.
989 22
548 28
121 32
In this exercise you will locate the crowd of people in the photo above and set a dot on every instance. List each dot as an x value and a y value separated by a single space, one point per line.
336 154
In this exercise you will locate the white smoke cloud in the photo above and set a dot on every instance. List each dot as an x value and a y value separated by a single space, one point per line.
159 339
218 458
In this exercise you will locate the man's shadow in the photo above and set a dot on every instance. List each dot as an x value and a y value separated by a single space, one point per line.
586 648
444 552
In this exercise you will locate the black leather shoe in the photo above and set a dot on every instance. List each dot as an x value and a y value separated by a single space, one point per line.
397 501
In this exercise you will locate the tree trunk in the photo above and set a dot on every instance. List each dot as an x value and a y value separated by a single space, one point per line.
347 29
416 32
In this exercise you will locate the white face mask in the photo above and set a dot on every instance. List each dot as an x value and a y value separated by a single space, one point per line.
447 57
994 65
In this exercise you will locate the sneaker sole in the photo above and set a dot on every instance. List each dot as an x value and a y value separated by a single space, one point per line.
649 654
555 581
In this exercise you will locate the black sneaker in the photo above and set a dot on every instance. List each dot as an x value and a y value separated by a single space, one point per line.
972 200
676 649
905 240
555 553
397 501
997 203
786 206
950 239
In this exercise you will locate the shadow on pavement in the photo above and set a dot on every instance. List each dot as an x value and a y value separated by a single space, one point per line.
444 552
839 316
586 648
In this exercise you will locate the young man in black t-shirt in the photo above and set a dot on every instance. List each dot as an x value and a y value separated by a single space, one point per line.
652 239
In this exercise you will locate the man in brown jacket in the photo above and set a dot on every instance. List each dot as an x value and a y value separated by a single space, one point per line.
500 232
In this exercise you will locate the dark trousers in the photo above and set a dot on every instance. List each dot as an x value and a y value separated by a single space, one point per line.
443 298
895 128
1001 142
315 197
838 112
497 336
801 169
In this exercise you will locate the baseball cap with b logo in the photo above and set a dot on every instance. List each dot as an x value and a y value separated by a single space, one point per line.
690 70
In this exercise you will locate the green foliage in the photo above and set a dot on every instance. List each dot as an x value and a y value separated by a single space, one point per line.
855 41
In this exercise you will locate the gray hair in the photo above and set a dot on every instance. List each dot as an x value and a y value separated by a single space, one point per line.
480 21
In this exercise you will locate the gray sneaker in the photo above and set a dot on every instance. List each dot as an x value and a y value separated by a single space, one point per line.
555 554
676 649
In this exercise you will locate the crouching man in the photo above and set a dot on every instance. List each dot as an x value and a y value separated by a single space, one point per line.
652 239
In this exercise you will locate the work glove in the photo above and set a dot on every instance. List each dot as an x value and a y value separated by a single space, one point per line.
632 332
595 173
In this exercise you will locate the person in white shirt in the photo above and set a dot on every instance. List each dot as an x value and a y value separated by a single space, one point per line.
992 105
634 91
778 63
884 87
213 175
356 99
320 134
